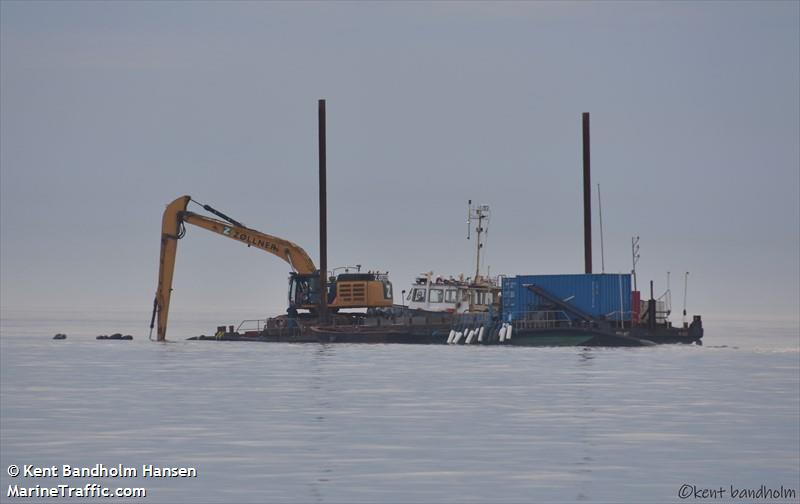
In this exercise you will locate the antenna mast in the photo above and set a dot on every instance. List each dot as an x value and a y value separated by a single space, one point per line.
477 213
685 287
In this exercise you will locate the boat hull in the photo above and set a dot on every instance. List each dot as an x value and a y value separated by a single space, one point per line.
432 329
429 335
573 337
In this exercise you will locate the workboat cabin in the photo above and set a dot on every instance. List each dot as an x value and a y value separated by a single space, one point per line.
439 294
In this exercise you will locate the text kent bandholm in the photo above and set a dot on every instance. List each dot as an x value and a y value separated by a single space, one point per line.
104 471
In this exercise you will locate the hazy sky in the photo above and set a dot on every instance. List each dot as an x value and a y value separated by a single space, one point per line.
110 110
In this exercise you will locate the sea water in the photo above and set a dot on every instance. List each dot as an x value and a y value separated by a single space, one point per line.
268 422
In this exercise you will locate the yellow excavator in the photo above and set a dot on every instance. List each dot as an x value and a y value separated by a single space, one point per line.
348 290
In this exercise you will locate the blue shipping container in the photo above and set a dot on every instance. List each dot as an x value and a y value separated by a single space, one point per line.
509 286
601 295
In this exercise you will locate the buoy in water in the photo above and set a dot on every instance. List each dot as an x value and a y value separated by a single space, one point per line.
60 336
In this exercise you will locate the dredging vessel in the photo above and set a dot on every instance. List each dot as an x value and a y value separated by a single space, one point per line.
524 310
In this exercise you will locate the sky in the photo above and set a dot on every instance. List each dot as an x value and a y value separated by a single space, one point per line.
110 110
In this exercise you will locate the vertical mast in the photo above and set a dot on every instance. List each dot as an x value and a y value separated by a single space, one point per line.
479 230
587 197
323 219
685 288
479 213
602 247
635 258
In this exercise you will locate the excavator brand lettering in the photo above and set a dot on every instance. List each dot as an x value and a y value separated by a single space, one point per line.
260 243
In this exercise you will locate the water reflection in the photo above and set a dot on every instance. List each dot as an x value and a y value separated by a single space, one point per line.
584 464
320 385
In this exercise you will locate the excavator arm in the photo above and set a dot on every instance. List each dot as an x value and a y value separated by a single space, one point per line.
172 229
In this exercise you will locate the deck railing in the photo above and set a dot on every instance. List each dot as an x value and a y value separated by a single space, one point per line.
543 319
251 325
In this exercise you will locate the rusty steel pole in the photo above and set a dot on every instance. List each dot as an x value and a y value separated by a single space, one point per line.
323 220
587 197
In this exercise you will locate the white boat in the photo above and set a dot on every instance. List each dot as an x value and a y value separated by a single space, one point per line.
459 295
438 294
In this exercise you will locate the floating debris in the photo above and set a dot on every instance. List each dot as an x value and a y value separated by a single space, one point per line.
60 336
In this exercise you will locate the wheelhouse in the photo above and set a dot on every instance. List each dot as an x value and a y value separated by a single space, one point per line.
451 295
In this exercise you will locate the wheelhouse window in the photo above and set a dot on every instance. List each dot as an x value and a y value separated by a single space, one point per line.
387 290
419 296
436 296
450 296
482 298
479 298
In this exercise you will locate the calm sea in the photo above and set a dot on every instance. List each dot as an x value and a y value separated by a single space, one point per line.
390 423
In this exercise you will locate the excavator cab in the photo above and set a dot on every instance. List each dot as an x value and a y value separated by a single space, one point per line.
348 290
303 290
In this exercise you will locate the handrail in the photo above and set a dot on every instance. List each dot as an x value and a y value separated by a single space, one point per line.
543 319
260 324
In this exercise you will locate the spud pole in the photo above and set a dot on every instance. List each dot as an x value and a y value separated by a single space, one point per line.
323 220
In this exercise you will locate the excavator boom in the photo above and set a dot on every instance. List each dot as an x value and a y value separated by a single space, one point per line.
172 225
